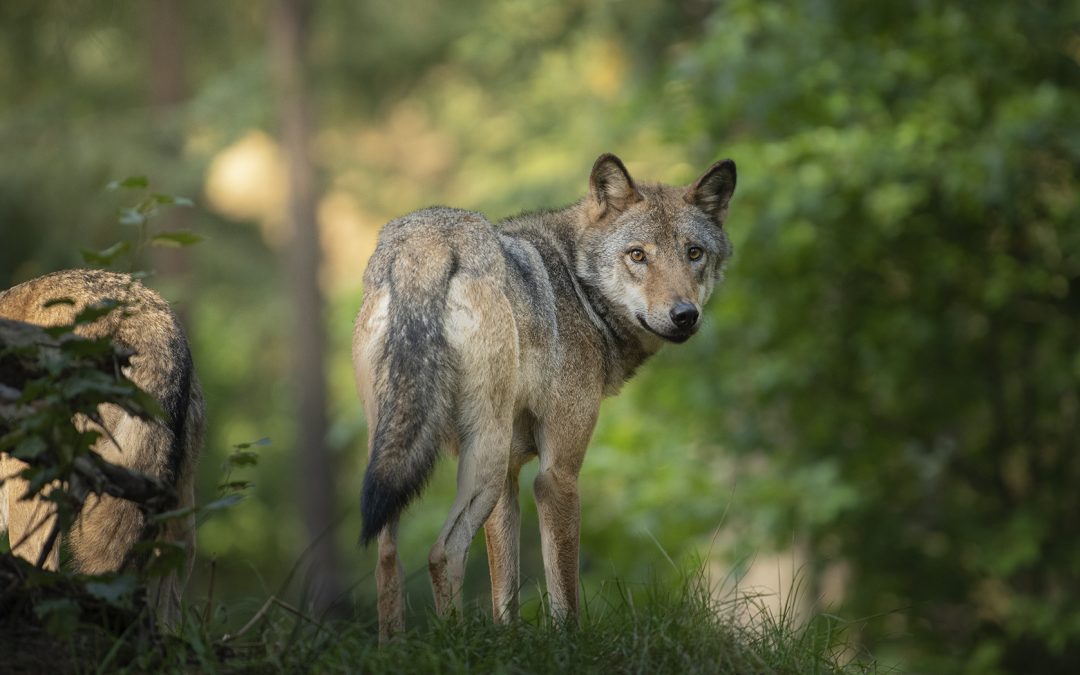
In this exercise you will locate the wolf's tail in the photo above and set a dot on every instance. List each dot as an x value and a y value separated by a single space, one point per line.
413 394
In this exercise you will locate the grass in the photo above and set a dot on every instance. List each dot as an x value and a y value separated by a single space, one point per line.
659 627
658 632
651 628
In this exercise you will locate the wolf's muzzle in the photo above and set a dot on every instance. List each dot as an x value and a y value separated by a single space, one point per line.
684 315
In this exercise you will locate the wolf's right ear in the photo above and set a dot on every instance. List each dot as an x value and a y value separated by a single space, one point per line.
610 187
712 192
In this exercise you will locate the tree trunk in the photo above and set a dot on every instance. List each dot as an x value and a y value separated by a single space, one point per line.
164 33
315 471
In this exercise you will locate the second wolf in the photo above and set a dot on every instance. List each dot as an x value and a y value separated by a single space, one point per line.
102 537
498 343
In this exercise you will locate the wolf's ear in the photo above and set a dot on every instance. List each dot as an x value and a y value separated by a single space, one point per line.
712 192
610 187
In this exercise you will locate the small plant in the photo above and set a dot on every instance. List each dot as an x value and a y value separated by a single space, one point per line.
140 216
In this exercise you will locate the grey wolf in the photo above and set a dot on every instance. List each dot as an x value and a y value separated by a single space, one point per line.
498 342
107 528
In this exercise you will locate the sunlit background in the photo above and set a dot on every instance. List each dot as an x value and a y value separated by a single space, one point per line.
882 410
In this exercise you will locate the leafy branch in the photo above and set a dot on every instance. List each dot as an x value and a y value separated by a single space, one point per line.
140 216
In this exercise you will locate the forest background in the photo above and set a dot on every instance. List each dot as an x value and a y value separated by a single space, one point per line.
882 409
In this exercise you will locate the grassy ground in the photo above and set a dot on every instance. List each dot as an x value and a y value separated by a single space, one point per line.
644 629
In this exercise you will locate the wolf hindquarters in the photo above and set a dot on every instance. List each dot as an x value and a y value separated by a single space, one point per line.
410 379
107 529
435 354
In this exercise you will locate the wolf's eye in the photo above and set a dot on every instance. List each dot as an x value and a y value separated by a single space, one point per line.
637 255
694 253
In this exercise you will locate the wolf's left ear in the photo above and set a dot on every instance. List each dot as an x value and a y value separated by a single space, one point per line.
712 192
610 187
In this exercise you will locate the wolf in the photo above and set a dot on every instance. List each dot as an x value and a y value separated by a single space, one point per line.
105 531
497 343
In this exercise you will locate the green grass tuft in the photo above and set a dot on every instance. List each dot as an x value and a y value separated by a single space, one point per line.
657 627
649 628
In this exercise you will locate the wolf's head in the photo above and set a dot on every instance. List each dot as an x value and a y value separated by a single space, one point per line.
655 251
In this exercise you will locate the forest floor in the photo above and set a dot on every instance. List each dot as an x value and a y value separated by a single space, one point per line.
652 628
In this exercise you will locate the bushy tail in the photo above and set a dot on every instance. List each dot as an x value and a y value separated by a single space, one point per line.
413 392
164 370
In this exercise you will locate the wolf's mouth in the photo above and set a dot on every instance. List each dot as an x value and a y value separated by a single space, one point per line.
677 338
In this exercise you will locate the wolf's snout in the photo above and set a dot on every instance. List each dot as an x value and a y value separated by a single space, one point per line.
684 314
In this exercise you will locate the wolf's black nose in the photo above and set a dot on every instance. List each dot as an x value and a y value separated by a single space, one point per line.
684 314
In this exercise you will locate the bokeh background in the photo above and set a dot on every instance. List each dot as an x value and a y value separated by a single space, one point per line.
882 410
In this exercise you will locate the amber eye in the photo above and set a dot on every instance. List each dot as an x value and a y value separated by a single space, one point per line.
695 253
637 255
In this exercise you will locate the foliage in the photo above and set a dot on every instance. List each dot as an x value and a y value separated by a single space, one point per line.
902 315
140 217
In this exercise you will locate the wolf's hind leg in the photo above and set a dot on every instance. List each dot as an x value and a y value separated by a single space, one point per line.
502 532
481 473
480 329
390 583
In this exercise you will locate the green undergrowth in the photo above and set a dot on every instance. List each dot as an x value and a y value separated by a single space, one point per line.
648 628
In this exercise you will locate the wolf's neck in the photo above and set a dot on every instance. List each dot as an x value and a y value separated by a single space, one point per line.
623 350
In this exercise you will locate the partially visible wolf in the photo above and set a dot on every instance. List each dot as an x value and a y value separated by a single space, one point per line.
107 528
499 342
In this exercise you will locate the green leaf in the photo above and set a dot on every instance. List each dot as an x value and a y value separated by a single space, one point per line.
29 448
116 591
95 311
171 200
57 331
242 458
130 183
225 502
176 239
236 485
261 441
163 557
131 216
217 505
82 347
174 514
106 256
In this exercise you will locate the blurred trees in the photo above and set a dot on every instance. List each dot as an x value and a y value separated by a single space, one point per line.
165 39
315 470
904 312
888 379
